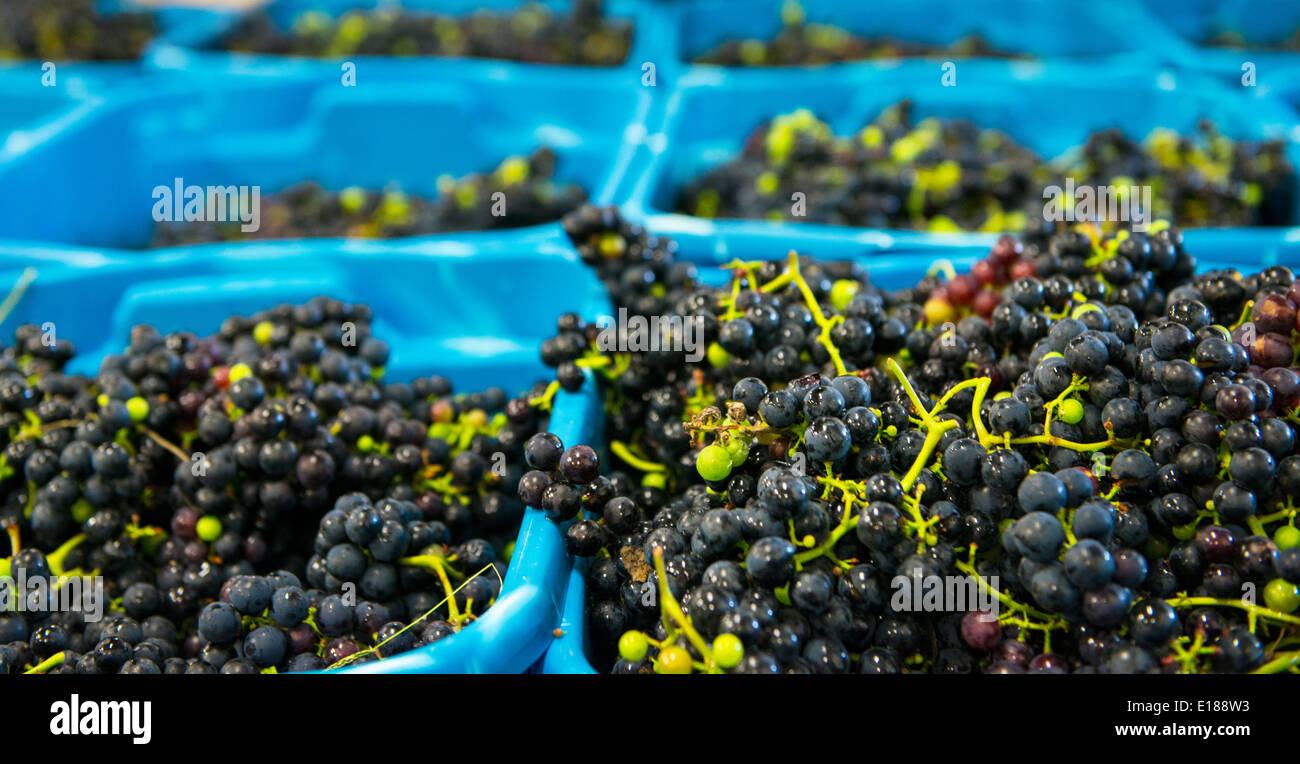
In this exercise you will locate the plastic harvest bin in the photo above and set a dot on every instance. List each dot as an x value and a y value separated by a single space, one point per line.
1051 108
896 265
437 303
89 179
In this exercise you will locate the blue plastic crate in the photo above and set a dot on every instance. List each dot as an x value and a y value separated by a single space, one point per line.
1049 107
192 45
89 180
437 303
893 265
1037 29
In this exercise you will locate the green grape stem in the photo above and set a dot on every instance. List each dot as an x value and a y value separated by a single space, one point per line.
672 610
1253 611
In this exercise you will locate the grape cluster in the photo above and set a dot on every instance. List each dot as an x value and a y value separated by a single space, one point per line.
951 175
71 30
380 583
801 43
1103 446
521 191
533 32
190 465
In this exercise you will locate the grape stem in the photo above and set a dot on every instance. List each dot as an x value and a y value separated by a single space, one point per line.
449 600
1280 663
672 610
826 324
622 451
543 401
51 662
1004 598
167 444
1253 612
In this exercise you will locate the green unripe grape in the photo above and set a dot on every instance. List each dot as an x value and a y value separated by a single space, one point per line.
738 450
365 444
1282 595
728 650
208 528
1071 411
352 198
1287 537
138 408
262 332
673 660
713 463
842 293
717 356
632 646
513 171
611 245
1184 532
82 510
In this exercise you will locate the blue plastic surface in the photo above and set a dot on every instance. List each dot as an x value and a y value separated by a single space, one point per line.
893 265
437 303
1050 107
90 180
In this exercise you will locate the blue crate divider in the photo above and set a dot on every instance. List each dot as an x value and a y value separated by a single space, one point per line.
893 265
89 180
1099 30
192 45
437 303
1050 107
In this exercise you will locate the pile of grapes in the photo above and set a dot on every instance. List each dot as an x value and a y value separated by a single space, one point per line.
259 500
800 43
1093 443
521 191
951 175
585 36
71 30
